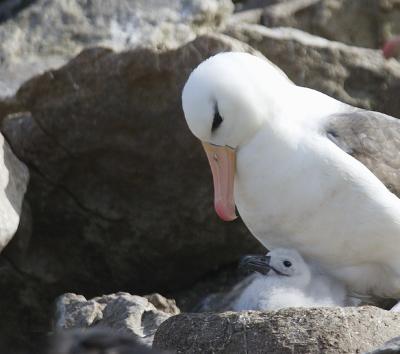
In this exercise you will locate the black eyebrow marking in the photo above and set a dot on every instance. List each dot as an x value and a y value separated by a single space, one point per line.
217 120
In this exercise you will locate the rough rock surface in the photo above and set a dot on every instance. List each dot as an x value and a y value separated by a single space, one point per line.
390 347
9 8
125 184
364 23
122 313
14 178
120 188
358 76
322 330
97 341
48 33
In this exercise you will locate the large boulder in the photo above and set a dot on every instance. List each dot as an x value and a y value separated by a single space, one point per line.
48 33
121 192
390 347
121 313
318 330
96 341
117 178
9 8
364 23
358 76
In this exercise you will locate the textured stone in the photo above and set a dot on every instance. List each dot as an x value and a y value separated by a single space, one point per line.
163 304
48 33
322 330
9 8
126 186
358 76
390 347
364 23
97 341
122 313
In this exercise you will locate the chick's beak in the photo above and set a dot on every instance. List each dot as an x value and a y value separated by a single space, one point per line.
222 161
255 263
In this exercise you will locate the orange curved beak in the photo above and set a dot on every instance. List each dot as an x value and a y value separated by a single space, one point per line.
222 161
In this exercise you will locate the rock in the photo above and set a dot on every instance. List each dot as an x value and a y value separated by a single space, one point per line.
289 14
318 330
123 313
14 178
390 347
49 33
122 177
121 193
97 341
358 76
364 23
248 16
163 304
245 5
25 315
9 8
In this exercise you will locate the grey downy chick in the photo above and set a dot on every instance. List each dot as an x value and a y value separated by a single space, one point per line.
284 279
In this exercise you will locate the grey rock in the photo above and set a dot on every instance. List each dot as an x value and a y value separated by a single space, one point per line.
9 8
115 172
122 313
97 341
75 311
248 16
49 33
120 194
390 347
288 14
25 314
358 76
163 304
322 330
245 5
364 23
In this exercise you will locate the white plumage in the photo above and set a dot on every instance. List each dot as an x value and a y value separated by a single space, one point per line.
294 186
290 286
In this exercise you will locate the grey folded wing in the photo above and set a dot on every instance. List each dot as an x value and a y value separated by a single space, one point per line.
373 138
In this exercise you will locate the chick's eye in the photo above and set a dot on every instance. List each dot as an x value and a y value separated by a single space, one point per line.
287 264
217 120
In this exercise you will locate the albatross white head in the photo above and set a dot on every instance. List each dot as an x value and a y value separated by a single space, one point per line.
221 102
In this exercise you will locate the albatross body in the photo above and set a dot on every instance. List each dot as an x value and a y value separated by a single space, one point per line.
304 170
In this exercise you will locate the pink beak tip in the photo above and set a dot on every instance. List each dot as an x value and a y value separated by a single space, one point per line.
226 214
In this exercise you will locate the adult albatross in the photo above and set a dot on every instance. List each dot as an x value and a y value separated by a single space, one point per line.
304 170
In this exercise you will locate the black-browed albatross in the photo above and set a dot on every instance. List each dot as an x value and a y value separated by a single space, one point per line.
305 171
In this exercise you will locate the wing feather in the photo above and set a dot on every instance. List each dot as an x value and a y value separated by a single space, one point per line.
373 138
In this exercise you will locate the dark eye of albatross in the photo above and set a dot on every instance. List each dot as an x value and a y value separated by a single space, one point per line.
287 264
217 120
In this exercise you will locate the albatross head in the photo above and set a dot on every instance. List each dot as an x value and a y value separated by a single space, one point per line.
221 102
280 262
